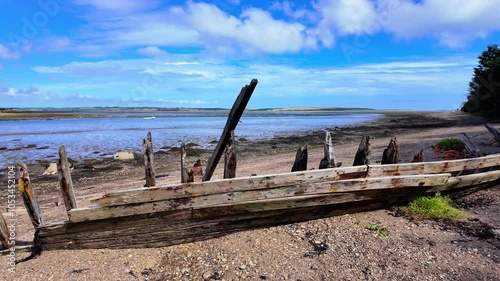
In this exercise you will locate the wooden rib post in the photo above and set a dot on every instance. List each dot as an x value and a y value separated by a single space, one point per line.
149 168
300 163
230 158
328 160
232 120
65 181
29 196
184 171
419 157
470 146
391 153
364 152
493 131
4 232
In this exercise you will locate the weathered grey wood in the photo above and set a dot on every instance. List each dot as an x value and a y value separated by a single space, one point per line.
470 147
230 158
419 157
196 174
300 163
197 202
363 154
17 250
232 120
391 153
65 181
4 233
328 160
139 195
29 196
184 171
149 167
493 131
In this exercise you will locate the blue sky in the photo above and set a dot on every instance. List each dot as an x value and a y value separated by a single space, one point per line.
385 54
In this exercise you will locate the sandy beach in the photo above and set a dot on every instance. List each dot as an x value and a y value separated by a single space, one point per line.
415 249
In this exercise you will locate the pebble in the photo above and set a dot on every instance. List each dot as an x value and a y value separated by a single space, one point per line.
242 267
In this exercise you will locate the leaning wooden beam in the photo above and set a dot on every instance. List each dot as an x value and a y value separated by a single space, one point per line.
391 153
494 131
470 146
4 233
328 160
232 198
232 120
230 158
364 152
65 181
300 163
139 195
149 167
29 196
419 157
184 171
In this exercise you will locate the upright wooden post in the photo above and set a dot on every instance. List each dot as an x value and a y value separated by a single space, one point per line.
328 160
184 171
493 131
197 172
149 168
29 196
300 163
65 181
419 157
232 120
391 153
364 152
230 158
4 232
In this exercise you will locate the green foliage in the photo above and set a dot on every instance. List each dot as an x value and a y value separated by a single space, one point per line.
451 144
484 88
380 230
437 206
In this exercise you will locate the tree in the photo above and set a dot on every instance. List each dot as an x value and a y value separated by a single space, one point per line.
484 88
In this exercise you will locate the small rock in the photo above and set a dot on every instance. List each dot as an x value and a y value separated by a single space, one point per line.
207 275
242 267
122 155
51 169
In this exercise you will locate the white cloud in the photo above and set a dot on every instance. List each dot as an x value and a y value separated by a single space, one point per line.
7 54
291 11
347 16
151 51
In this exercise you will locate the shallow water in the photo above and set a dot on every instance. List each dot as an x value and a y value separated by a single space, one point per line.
34 140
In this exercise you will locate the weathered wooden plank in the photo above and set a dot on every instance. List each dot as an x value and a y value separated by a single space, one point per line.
470 146
300 163
328 160
29 196
196 174
230 158
149 167
364 152
270 181
419 157
391 153
184 171
493 131
232 120
4 233
198 202
65 181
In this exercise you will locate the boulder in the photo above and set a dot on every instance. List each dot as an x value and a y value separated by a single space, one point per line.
124 155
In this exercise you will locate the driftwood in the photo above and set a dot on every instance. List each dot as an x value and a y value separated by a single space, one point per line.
470 147
364 152
65 181
230 158
196 174
391 153
300 163
232 120
419 157
328 160
184 171
29 196
4 232
493 131
149 167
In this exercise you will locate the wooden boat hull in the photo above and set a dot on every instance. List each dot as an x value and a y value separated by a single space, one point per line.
169 215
